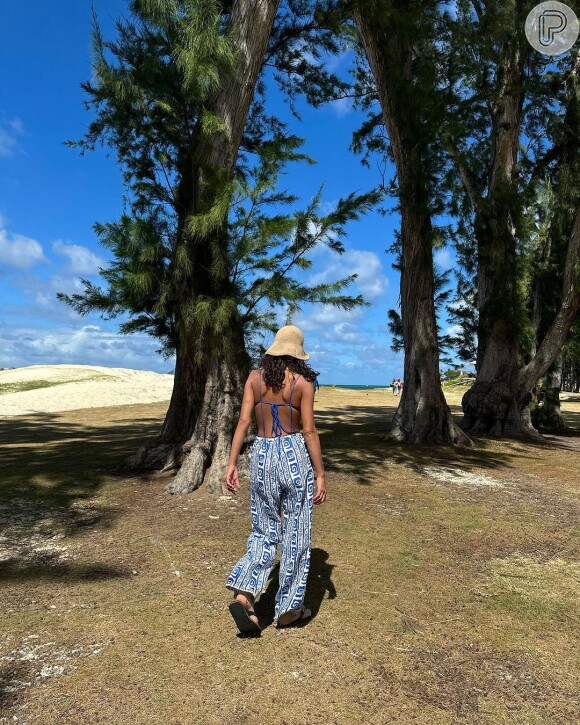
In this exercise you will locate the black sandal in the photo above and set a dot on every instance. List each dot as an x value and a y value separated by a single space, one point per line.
241 617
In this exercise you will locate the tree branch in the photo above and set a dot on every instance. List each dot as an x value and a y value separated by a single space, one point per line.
556 335
469 181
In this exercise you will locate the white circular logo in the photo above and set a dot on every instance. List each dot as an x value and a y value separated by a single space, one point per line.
552 28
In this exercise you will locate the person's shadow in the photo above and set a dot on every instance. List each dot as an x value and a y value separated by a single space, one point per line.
319 582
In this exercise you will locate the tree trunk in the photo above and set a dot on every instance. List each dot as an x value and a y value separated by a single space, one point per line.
499 399
198 428
206 451
548 413
494 404
498 402
210 368
423 415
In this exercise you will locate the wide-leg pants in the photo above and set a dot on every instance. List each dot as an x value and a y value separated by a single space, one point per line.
281 493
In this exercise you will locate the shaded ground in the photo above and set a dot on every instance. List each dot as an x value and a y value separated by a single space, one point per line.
445 584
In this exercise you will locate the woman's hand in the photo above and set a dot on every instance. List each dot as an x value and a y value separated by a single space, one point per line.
233 478
320 495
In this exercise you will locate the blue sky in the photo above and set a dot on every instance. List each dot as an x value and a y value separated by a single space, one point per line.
50 198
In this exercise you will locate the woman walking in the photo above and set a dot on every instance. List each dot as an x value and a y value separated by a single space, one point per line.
281 481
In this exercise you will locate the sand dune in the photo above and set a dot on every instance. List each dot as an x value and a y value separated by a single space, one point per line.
51 388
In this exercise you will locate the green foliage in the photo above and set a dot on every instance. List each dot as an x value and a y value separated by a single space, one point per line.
442 293
305 36
266 250
571 359
197 251
481 40
451 375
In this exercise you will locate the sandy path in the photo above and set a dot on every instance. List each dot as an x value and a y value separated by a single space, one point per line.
70 387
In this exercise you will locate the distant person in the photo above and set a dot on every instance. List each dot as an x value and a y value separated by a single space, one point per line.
394 386
400 386
281 394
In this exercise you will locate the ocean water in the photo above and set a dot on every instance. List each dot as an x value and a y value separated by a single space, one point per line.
357 387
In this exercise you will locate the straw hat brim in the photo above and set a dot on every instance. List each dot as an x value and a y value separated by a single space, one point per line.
278 350
289 340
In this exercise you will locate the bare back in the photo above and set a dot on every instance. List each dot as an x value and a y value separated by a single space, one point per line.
277 413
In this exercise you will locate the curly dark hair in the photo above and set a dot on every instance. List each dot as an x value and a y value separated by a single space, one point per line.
274 367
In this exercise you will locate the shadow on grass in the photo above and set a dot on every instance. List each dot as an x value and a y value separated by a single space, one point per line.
572 421
319 582
11 677
356 444
15 570
46 456
51 468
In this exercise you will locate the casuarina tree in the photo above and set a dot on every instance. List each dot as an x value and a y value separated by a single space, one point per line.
198 263
399 40
513 128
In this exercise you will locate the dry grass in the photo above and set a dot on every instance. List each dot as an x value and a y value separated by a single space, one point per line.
444 583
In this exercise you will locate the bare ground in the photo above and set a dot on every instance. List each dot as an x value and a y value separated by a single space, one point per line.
444 583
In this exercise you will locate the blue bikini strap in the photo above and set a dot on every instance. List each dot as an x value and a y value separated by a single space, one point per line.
261 404
290 404
277 427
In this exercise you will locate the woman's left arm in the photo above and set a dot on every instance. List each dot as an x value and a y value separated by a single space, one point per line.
232 477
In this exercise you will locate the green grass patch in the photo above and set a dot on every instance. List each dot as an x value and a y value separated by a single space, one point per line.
25 385
434 602
29 385
537 592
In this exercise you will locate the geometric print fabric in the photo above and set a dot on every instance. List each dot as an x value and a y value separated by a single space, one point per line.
281 493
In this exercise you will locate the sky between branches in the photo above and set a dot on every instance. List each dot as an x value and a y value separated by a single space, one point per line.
50 197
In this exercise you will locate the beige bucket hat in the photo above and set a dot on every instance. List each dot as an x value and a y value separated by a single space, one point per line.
289 340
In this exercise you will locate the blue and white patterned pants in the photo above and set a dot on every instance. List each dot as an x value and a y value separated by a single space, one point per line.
281 493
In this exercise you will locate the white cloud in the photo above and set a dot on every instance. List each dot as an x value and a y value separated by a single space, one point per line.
366 361
81 259
82 345
17 250
443 259
41 295
324 316
341 106
10 129
346 332
366 265
454 330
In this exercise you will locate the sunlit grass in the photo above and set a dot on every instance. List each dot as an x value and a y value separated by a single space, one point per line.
437 602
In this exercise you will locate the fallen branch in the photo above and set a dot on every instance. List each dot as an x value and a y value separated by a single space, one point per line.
408 622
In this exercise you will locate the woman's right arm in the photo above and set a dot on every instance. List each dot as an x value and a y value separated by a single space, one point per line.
312 440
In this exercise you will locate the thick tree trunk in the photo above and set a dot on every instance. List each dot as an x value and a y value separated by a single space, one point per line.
196 434
498 402
206 450
548 413
494 404
423 415
210 368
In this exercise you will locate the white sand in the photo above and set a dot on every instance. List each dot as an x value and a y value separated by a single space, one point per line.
81 386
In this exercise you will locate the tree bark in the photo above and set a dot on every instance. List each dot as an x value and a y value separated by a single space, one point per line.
423 415
210 368
492 404
498 402
548 413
